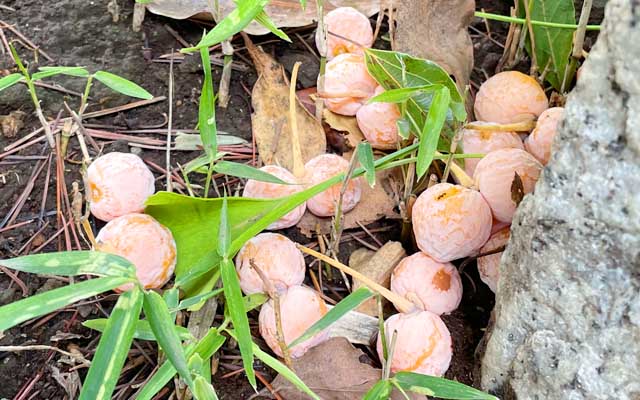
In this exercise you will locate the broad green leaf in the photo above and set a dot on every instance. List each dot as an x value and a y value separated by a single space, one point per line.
14 313
162 326
403 94
380 391
73 263
10 80
264 20
113 347
439 387
431 131
246 171
347 304
122 85
233 23
207 110
203 390
365 156
142 330
46 72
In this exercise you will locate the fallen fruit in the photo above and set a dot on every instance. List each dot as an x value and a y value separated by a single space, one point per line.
423 343
495 174
321 168
347 84
300 308
541 138
509 97
118 184
145 242
450 221
483 142
350 24
377 121
430 285
276 256
489 266
266 190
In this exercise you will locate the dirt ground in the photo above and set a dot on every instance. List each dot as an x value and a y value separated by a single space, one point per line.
75 32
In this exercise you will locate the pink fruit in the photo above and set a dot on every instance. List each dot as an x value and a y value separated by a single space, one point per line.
265 190
483 142
347 84
321 168
431 285
348 23
377 121
539 142
450 221
489 266
423 343
495 174
509 97
119 184
276 256
299 309
143 241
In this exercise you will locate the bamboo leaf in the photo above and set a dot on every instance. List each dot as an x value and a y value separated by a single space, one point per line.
365 156
247 172
431 131
10 80
142 330
438 387
46 72
122 85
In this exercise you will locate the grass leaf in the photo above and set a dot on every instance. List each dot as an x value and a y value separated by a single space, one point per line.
403 94
246 171
142 329
431 131
438 387
365 156
264 20
207 110
10 80
380 391
203 390
122 85
46 72
113 348
192 301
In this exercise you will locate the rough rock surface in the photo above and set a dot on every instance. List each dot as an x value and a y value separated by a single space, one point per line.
567 316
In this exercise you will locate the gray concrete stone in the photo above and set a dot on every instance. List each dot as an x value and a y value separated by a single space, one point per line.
567 315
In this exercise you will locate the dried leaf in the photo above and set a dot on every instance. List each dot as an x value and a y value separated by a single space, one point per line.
12 123
346 124
517 189
436 30
269 121
334 371
70 381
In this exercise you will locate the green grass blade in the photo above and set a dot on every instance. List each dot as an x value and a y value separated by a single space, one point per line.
142 330
438 387
46 72
113 348
73 263
264 20
347 304
10 80
380 391
431 131
246 171
203 390
403 94
207 110
365 156
192 301
44 303
122 85
163 329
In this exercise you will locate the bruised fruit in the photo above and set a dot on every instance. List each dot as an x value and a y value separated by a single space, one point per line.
509 97
351 24
450 221
430 285
423 343
489 266
541 138
276 256
143 241
119 184
483 142
494 177
299 309
321 168
377 121
347 84
267 190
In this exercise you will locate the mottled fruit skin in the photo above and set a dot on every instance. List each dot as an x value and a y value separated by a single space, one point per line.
300 308
377 121
495 174
321 168
423 343
276 256
540 140
119 184
509 97
431 285
265 190
348 23
483 142
489 266
145 242
450 221
347 84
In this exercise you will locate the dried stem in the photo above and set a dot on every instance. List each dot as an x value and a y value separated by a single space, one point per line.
524 126
298 165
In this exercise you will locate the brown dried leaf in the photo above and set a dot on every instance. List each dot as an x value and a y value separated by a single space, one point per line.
342 123
334 371
517 189
270 119
12 123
